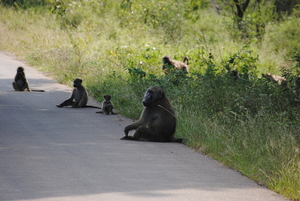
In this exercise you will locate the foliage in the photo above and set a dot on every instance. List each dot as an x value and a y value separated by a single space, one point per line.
286 7
23 3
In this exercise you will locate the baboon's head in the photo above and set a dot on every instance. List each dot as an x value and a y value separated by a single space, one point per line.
77 82
107 97
166 59
20 69
152 95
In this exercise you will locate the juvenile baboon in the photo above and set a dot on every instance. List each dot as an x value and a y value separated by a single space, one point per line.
169 63
79 94
157 122
107 106
20 82
275 78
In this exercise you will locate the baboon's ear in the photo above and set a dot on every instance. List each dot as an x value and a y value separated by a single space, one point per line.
161 93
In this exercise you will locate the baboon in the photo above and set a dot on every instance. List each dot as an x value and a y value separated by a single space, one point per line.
80 96
20 82
169 63
107 106
235 74
275 78
157 122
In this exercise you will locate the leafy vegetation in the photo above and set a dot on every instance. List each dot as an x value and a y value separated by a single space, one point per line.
250 124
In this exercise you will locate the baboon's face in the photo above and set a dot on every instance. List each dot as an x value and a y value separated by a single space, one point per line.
20 70
107 97
77 83
152 95
166 59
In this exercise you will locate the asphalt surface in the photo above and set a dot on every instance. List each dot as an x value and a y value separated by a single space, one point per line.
61 154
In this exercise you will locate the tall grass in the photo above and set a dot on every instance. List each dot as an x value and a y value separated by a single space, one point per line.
249 124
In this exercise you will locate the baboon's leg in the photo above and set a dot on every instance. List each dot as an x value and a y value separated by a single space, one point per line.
25 87
105 110
15 86
145 133
66 103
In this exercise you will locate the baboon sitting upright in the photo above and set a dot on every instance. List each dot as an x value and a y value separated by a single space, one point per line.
79 94
107 106
20 82
169 63
157 122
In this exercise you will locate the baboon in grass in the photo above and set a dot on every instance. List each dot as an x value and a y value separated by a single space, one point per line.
157 122
275 78
169 64
235 74
20 82
78 98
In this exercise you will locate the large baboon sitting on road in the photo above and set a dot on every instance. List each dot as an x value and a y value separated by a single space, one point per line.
79 94
157 122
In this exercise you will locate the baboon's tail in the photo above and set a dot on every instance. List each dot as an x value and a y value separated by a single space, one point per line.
179 140
37 90
91 106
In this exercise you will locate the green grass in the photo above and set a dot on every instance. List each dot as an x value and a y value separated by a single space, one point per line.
250 125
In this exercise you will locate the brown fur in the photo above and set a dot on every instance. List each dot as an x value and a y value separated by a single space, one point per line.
157 122
275 78
169 63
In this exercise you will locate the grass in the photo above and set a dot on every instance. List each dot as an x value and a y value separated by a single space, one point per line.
250 125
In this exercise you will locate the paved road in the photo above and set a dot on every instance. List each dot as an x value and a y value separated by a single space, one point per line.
61 154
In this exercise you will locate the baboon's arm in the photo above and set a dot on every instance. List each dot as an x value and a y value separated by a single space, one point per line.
133 126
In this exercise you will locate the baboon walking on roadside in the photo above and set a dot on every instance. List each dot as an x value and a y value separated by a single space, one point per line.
169 63
157 122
